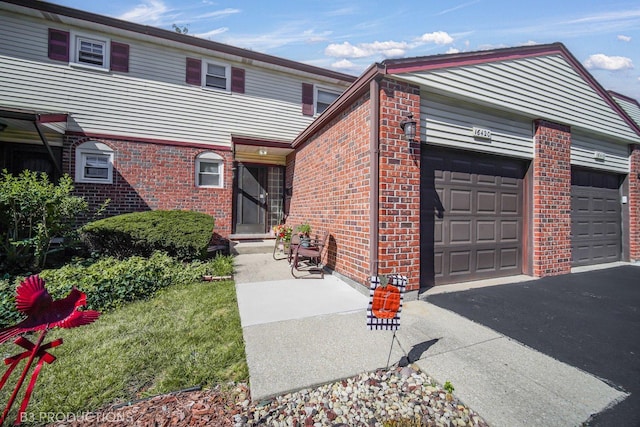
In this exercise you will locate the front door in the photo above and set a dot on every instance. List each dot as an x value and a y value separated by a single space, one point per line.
251 199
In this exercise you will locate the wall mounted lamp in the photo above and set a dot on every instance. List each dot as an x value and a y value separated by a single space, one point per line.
408 126
262 151
3 126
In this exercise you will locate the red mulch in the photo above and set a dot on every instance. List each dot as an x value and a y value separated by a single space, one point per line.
214 407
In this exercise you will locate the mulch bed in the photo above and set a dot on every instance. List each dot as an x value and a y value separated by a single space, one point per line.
214 407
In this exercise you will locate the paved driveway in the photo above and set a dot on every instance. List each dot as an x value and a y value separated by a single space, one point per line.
588 320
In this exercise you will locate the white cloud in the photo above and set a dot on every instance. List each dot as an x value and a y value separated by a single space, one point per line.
624 38
343 64
212 33
437 37
601 61
220 13
149 12
388 49
453 50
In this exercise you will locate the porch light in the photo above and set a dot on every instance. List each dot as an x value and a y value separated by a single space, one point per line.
408 126
262 151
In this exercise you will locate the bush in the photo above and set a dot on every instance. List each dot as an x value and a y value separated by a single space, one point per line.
32 211
110 282
182 234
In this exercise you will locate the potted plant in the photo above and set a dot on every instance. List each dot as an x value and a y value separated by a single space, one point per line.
304 232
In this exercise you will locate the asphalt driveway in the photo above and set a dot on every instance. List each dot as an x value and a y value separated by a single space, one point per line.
588 320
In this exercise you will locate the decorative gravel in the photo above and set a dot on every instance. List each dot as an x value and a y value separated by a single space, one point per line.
395 397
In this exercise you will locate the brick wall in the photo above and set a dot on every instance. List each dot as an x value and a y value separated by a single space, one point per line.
634 204
329 177
551 199
399 248
149 176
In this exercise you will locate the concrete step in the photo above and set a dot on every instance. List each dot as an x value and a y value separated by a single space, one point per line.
252 245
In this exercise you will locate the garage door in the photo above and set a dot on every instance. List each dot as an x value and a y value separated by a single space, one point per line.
471 213
596 220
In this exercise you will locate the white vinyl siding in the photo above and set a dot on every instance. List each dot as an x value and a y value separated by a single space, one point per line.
632 109
152 100
450 123
544 87
585 147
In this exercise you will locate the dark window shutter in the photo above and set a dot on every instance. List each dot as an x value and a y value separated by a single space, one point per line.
58 45
119 57
307 99
237 80
194 71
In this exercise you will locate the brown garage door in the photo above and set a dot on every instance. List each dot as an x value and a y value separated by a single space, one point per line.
596 220
471 216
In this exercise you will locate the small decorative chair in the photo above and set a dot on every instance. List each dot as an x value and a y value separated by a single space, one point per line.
310 256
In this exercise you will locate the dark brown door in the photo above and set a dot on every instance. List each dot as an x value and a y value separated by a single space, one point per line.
251 199
596 220
471 216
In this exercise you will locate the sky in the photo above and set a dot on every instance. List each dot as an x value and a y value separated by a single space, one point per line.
350 35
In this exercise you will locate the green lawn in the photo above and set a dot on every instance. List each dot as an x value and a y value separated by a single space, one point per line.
186 335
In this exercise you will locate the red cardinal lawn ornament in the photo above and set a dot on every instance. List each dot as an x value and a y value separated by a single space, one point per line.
43 313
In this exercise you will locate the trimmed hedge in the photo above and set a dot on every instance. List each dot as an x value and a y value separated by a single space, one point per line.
182 234
110 282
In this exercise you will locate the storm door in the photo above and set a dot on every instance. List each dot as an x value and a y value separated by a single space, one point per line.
251 199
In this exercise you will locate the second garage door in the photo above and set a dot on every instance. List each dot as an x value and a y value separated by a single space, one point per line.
596 220
471 216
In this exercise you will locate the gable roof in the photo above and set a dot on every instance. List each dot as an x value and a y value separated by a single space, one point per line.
53 11
539 81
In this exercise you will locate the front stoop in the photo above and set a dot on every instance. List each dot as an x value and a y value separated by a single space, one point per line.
251 244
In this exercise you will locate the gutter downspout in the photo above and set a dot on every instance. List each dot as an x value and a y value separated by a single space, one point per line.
374 176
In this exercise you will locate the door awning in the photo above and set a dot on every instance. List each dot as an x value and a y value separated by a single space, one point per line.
29 120
260 150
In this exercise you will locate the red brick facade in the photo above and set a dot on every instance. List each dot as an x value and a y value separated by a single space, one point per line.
149 176
634 204
399 248
329 178
551 199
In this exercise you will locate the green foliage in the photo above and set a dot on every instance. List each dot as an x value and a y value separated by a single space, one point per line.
32 211
110 282
184 336
448 387
304 229
182 234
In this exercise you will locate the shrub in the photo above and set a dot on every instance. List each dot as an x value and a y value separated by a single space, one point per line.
32 211
110 282
182 234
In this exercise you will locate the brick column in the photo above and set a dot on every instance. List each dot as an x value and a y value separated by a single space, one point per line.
634 204
551 199
399 210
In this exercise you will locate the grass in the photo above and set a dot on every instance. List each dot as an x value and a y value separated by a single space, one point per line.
186 335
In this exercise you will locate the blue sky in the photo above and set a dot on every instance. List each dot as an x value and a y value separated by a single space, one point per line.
349 35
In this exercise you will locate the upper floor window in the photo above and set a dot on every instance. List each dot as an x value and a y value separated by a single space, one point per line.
94 163
324 98
90 51
216 76
209 170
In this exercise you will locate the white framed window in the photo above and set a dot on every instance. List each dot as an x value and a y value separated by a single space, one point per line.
216 75
209 170
323 98
94 163
90 51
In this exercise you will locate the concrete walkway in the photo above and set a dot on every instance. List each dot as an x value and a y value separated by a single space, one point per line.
302 333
